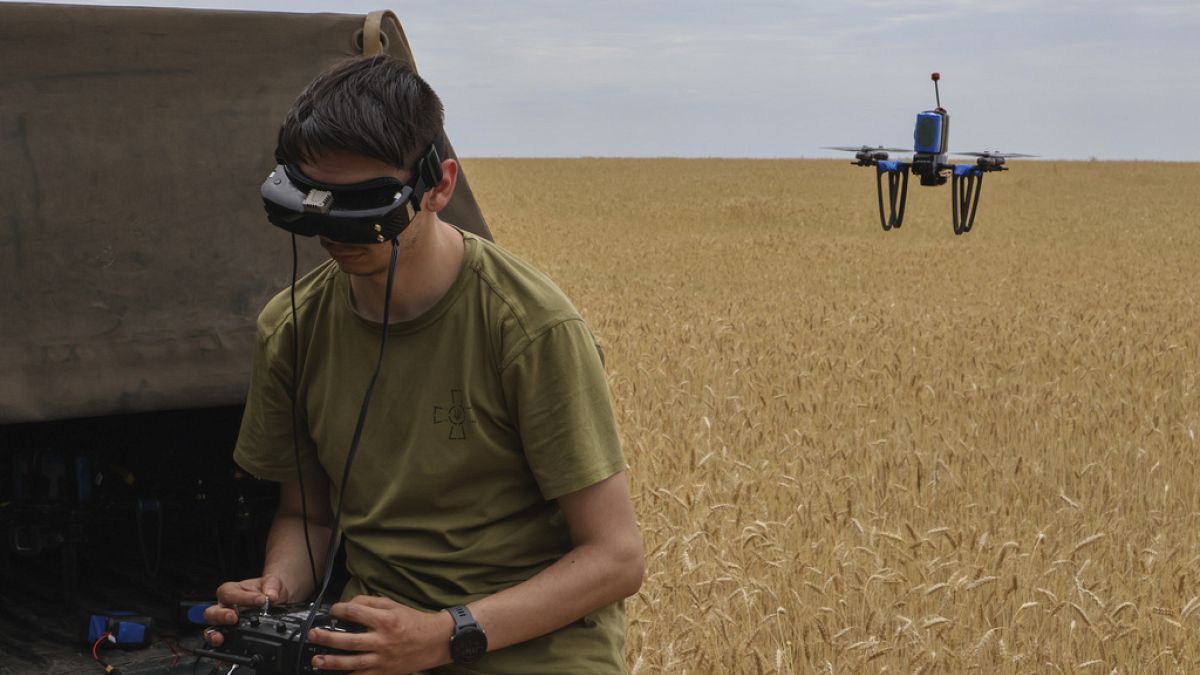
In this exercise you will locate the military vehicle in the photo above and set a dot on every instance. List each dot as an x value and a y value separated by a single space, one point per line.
134 258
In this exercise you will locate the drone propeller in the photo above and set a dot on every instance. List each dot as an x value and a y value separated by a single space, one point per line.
866 155
990 160
865 148
993 153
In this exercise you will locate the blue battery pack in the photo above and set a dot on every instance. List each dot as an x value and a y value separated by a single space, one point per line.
130 630
930 133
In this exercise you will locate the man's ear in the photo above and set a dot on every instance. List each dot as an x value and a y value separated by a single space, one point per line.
437 197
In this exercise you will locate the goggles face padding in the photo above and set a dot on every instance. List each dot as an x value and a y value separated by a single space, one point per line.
369 212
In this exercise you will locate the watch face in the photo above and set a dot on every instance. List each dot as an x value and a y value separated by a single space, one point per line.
468 645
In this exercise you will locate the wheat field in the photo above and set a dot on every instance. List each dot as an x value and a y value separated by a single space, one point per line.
854 450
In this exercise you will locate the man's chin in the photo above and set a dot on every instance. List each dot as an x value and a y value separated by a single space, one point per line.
346 257
359 266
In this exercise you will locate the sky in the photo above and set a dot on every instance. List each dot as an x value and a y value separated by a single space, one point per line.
1066 79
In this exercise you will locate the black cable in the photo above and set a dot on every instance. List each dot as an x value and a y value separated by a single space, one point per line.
358 427
312 564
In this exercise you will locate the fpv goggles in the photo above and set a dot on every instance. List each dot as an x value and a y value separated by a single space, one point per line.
369 212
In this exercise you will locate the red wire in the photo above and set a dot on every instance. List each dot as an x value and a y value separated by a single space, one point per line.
174 652
96 645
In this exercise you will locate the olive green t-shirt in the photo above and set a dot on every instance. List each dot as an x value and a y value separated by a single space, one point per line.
488 407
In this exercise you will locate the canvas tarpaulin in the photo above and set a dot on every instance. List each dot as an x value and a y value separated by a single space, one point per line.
134 252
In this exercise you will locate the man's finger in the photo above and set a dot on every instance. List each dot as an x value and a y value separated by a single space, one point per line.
220 615
272 588
351 642
361 614
375 601
213 637
345 662
239 597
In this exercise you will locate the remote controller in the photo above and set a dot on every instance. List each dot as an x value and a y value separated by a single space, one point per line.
269 640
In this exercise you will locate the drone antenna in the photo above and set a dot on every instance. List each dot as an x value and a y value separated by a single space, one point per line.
935 77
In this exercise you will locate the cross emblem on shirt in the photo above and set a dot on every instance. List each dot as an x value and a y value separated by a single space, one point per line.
457 415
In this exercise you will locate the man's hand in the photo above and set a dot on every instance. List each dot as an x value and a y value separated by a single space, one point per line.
398 639
234 594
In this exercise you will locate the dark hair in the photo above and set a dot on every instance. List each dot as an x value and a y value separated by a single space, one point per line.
374 106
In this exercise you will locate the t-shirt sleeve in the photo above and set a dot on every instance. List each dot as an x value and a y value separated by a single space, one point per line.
560 400
265 447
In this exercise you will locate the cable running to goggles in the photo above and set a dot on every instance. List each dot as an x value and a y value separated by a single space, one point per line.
370 212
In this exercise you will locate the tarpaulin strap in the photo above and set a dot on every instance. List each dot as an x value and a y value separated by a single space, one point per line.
375 41
382 33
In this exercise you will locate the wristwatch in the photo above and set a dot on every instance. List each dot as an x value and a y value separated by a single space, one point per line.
468 642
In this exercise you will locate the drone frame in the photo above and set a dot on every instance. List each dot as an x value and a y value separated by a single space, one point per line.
966 184
897 174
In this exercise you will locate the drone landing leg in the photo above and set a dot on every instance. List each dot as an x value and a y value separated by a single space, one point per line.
964 200
897 187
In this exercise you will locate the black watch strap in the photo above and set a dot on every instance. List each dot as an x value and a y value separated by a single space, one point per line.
468 642
462 617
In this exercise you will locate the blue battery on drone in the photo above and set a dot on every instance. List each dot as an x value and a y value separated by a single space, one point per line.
929 136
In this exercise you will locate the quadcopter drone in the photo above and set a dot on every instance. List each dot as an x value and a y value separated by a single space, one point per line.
930 143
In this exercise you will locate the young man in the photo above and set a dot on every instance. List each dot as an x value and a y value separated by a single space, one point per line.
489 478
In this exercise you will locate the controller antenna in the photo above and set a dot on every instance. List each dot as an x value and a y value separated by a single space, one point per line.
935 77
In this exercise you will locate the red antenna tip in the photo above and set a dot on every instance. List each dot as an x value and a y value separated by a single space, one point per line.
936 76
